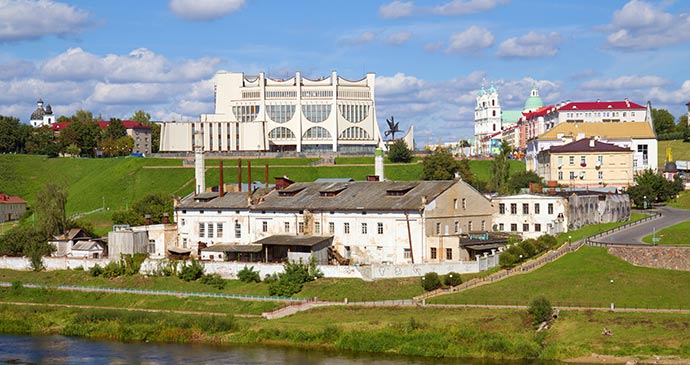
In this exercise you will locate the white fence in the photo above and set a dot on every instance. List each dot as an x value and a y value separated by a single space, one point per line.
229 270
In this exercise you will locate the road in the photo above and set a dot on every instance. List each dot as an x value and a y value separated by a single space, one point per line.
634 234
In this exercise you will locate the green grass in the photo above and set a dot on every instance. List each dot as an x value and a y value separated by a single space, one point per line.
593 229
583 278
679 149
674 235
682 201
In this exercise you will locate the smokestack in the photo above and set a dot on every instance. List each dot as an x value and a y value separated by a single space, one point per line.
249 176
148 219
221 186
199 163
166 218
239 174
266 169
378 164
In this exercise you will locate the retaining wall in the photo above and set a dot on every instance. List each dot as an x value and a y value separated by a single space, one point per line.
660 257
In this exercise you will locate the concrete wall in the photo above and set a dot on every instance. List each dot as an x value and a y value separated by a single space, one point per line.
51 263
660 257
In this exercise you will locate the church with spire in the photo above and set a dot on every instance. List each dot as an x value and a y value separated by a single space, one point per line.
42 116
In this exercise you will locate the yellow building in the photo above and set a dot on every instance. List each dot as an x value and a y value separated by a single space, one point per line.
587 163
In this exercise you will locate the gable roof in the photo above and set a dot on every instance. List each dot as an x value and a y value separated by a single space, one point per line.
231 200
539 112
88 246
7 199
601 105
608 130
588 145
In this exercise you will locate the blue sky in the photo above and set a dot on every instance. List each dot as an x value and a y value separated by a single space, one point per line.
430 57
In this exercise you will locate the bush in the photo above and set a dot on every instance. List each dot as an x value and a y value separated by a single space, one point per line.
399 152
113 269
213 280
540 309
295 274
17 285
270 278
546 242
96 270
452 279
248 275
431 281
507 259
165 268
529 248
191 272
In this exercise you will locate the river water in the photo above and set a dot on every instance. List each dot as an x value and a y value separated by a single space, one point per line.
68 350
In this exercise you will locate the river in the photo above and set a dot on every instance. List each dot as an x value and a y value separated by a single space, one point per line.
68 350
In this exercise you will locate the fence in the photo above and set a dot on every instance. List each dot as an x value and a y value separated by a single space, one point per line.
591 242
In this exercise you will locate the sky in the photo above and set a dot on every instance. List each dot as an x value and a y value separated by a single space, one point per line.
430 57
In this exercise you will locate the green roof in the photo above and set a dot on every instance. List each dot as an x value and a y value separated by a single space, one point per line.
510 116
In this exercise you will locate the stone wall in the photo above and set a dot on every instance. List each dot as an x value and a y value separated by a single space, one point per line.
660 257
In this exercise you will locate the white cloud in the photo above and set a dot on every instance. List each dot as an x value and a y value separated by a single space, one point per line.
396 9
132 93
397 84
473 38
200 10
531 45
362 38
641 25
461 7
677 96
137 66
398 38
33 19
17 68
625 82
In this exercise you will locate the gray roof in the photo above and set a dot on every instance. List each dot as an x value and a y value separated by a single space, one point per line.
357 196
231 200
334 179
292 240
87 246
233 248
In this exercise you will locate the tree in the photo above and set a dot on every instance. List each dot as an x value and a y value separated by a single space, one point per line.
154 205
500 169
399 152
42 141
50 210
651 187
155 137
142 117
663 121
683 127
9 134
465 172
540 309
522 180
440 165
115 129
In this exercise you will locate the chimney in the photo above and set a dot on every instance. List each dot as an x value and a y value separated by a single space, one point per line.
266 170
372 178
249 176
221 186
166 218
283 182
239 174
148 219
199 163
378 164
591 143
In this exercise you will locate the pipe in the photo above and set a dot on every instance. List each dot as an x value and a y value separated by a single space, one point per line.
249 177
239 174
221 186
266 168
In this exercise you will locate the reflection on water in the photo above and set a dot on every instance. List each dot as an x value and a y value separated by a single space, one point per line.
67 350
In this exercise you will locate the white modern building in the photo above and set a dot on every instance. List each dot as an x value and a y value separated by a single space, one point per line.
257 113
42 116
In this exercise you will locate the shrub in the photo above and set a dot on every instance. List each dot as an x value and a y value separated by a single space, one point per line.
507 259
431 281
452 279
165 268
248 275
270 278
79 268
17 285
96 270
399 152
547 241
113 269
213 280
540 309
528 246
295 274
191 272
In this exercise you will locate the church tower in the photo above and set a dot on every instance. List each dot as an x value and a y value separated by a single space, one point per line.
487 118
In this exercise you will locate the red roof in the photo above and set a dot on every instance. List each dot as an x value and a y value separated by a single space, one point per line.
539 112
6 199
584 145
600 105
128 124
687 104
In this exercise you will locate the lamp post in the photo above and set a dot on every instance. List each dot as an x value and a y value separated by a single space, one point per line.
570 240
644 204
612 305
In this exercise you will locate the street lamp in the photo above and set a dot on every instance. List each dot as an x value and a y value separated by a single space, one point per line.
644 204
612 305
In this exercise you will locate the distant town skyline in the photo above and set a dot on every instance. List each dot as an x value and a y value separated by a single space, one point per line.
430 58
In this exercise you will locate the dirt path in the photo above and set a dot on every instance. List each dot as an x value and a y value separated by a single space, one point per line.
129 309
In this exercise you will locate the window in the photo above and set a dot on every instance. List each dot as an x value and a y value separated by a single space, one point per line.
317 227
183 221
316 133
572 175
300 227
354 133
583 160
537 227
455 204
483 225
464 203
209 231
550 208
560 175
379 228
354 113
501 227
456 226
184 242
331 227
364 228
469 226
238 230
280 113
536 208
502 208
449 253
525 208
433 253
600 160
202 230
571 160
525 227
264 226
513 208
346 228
438 228
151 248
219 230
513 227
286 226
281 133
316 113
560 160
406 253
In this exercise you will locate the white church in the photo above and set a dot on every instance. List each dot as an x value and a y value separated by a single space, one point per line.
42 116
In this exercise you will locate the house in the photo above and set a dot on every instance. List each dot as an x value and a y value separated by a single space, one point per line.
531 215
587 162
93 249
65 242
362 222
11 207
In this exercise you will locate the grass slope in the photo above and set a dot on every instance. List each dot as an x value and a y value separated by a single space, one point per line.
679 149
674 235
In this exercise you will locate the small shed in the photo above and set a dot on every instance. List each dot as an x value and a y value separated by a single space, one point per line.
279 248
65 242
89 249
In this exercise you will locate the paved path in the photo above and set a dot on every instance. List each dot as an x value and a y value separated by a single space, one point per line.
634 234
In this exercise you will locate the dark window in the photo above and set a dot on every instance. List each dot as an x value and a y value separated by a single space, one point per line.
513 227
525 227
502 208
513 208
433 252
449 253
525 208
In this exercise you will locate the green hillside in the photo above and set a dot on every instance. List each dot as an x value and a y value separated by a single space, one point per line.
115 183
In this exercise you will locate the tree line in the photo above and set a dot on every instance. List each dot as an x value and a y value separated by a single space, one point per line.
666 127
82 137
